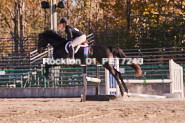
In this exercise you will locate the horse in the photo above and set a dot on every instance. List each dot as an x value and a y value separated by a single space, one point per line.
95 51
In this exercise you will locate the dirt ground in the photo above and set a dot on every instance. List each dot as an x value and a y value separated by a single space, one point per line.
71 110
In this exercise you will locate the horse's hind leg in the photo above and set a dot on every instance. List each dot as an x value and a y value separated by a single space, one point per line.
116 75
120 77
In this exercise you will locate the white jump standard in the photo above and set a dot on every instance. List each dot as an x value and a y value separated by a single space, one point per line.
176 81
97 96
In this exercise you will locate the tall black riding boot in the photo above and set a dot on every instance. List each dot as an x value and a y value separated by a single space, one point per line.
71 52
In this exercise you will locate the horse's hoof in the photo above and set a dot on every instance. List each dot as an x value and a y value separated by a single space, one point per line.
122 94
47 79
51 75
127 90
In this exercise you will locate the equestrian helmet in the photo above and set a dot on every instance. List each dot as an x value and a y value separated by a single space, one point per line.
64 20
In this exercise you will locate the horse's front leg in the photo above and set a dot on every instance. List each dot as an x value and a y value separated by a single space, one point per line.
47 74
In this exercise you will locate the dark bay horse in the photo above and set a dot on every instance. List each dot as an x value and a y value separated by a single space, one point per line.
95 51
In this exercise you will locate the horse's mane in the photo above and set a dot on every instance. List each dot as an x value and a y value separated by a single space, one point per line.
53 34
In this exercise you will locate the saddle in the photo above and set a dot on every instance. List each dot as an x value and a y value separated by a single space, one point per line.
84 44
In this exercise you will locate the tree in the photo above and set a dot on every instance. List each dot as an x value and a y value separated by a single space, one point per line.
21 18
9 13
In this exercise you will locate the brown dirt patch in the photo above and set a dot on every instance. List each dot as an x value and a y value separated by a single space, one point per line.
71 110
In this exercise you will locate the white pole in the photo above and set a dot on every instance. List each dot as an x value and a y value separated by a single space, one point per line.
182 84
117 68
145 95
107 92
171 76
54 16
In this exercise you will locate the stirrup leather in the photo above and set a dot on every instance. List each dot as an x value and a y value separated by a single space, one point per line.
71 52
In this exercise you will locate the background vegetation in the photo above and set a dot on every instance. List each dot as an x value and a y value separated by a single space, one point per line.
125 23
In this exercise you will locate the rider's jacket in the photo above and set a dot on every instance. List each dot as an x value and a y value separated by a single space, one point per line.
72 32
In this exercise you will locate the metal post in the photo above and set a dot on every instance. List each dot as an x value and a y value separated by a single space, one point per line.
53 15
14 82
38 81
21 81
43 75
53 27
97 84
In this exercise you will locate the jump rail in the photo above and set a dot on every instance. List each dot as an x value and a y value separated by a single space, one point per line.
91 79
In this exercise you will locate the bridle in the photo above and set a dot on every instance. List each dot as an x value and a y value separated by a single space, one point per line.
56 44
53 44
42 47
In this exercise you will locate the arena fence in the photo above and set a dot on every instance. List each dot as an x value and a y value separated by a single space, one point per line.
66 77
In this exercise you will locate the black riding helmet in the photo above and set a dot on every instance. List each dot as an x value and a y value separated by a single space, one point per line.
64 20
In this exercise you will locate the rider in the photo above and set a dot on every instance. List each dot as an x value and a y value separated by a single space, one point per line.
76 36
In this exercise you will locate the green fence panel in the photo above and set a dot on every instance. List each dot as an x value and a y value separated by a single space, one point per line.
66 77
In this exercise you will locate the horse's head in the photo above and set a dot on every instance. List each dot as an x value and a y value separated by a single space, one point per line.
50 36
42 43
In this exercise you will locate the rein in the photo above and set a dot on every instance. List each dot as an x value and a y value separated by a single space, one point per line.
56 44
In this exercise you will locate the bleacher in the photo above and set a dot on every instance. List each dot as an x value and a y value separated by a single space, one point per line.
158 55
155 46
17 62
151 55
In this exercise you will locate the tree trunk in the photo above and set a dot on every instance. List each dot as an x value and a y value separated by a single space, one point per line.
21 5
128 15
15 31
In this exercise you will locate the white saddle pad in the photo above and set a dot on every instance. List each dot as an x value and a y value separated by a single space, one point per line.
78 47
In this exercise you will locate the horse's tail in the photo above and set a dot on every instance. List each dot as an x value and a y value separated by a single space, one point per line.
117 52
